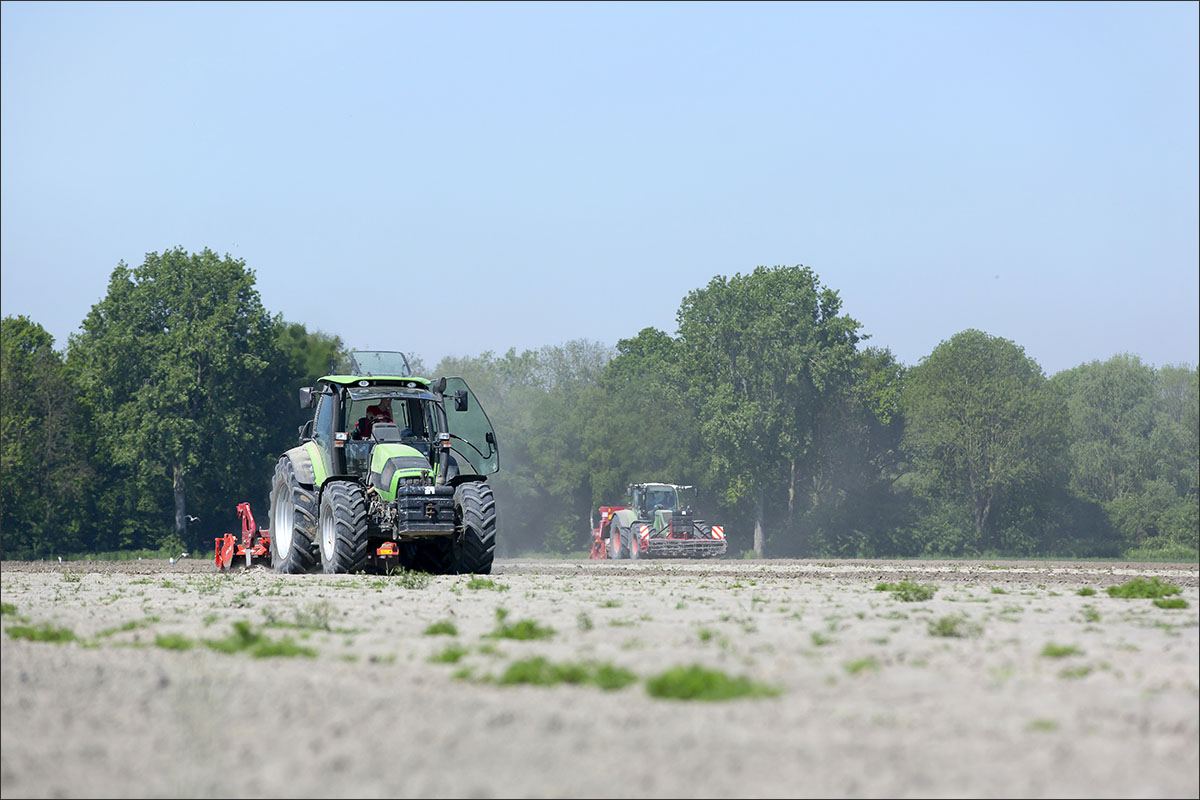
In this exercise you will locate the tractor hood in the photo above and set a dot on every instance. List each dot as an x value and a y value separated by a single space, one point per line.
392 462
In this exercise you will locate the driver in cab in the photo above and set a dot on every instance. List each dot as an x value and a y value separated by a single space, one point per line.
382 412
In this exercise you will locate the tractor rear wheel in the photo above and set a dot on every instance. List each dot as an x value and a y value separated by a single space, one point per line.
474 546
293 524
343 528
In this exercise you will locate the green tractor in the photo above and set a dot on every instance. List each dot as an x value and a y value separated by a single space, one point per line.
387 473
655 525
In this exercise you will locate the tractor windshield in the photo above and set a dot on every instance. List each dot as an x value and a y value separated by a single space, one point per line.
661 497
413 415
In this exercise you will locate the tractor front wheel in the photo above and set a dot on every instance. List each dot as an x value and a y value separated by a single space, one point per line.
616 542
343 528
474 546
293 522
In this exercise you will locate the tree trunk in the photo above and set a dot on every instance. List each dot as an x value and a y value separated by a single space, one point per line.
792 495
180 505
758 526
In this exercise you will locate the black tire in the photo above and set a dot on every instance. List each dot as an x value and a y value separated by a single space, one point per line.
474 547
635 552
617 547
342 528
293 522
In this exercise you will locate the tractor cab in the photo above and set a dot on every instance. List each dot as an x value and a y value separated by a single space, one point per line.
649 498
439 421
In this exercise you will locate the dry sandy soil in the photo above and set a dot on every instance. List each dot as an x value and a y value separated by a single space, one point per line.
871 703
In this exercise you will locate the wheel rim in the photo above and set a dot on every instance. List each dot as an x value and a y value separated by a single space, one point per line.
283 525
328 538
614 543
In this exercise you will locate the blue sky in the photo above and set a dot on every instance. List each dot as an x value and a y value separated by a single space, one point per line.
452 178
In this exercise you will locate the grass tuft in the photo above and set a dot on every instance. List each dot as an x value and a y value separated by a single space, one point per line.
1052 650
450 655
443 628
868 664
173 641
700 683
1086 591
907 591
954 627
246 639
1171 602
524 629
486 583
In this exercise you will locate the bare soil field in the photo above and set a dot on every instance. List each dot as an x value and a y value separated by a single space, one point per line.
997 680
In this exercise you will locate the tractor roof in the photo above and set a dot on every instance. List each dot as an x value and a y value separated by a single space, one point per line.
409 381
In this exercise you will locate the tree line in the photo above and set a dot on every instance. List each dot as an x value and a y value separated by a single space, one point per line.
174 399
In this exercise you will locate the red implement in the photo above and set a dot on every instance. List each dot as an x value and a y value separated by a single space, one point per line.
254 543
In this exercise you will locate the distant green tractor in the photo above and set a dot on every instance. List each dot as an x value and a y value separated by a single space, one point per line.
655 526
386 474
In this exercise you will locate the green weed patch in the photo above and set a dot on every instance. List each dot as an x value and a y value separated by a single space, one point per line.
7 608
486 583
173 641
954 627
538 671
42 633
524 629
450 655
1086 591
700 683
1142 588
443 628
132 625
246 639
908 592
1052 650
868 664
1171 602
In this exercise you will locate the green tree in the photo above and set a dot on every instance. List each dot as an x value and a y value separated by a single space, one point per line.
855 460
763 354
982 427
644 425
177 362
45 479
1134 450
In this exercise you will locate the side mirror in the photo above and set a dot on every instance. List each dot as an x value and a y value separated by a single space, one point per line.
438 386
460 400
306 397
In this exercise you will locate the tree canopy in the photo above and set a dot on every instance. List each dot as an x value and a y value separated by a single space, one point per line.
180 390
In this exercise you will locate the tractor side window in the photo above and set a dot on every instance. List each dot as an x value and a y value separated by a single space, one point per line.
321 426
324 418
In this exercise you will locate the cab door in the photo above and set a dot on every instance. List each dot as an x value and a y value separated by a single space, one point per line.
471 435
